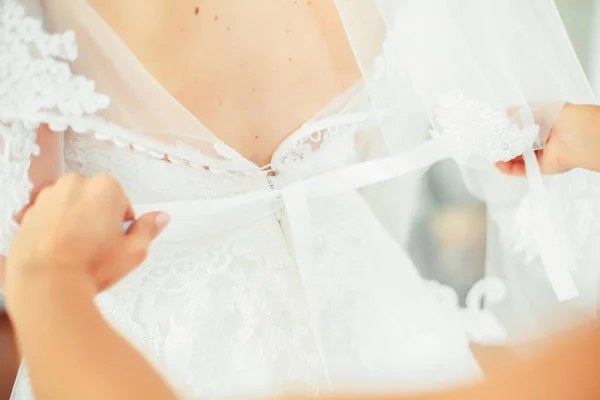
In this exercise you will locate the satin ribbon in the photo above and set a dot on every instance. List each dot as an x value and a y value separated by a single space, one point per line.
197 218
202 217
554 252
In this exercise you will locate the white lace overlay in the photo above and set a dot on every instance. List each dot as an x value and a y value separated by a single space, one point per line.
36 86
19 146
229 313
472 127
570 209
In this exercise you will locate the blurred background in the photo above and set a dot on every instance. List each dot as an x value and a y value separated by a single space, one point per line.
452 223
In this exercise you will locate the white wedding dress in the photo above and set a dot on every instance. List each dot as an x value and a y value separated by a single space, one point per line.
228 313
268 280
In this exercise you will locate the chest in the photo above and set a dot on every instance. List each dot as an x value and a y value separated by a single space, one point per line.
251 72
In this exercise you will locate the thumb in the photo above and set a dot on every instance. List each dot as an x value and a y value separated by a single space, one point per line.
135 248
142 233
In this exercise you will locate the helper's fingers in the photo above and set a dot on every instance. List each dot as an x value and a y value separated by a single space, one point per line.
134 251
142 233
514 167
109 196
129 213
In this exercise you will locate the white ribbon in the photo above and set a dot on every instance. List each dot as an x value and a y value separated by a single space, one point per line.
202 217
554 253
196 218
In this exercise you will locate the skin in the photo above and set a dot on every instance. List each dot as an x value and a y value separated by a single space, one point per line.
45 169
66 270
574 142
253 96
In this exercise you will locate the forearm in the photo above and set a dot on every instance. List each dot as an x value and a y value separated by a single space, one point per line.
71 351
566 370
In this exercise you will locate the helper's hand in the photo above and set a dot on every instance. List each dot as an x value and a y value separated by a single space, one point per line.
74 229
573 142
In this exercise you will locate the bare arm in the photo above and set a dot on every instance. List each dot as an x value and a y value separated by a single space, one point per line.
51 282
78 356
96 363
565 370
45 169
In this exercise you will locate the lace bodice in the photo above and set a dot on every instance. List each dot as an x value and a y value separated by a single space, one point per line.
306 153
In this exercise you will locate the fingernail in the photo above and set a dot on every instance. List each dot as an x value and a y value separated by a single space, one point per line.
162 220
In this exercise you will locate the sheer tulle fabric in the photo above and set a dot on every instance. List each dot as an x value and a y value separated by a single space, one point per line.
472 64
294 276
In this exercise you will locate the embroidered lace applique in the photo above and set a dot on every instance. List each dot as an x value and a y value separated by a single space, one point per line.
36 87
570 210
473 128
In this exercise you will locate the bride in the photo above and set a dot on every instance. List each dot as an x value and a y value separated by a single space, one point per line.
286 140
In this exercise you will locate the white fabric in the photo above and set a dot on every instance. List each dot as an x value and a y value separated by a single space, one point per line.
286 277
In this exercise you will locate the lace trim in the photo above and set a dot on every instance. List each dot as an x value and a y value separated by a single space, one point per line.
473 127
14 177
34 77
571 211
481 326
470 127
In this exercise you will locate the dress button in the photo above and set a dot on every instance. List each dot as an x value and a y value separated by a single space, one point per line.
273 182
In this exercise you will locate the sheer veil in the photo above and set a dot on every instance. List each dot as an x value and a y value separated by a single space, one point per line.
477 81
498 73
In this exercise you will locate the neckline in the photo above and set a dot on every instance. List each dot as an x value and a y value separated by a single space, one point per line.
345 97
